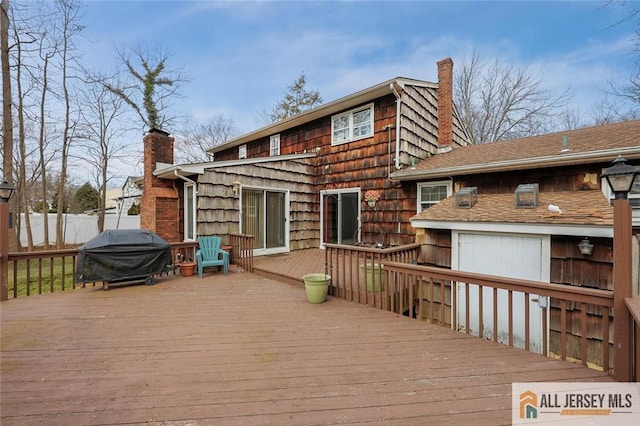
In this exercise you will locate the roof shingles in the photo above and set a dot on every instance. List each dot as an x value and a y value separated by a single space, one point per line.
577 208
580 141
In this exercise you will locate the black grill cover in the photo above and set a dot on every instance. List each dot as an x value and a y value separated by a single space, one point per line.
123 254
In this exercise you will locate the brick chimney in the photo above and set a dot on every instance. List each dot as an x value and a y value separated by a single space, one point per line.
159 204
445 104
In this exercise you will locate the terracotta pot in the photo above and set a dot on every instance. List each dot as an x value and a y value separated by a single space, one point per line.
188 268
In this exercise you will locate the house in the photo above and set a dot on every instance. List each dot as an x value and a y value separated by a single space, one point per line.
131 191
300 182
522 208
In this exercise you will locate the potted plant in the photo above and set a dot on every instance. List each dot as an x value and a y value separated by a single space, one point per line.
317 287
371 196
374 276
188 268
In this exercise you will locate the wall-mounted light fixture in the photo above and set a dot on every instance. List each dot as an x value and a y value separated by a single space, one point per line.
585 246
236 188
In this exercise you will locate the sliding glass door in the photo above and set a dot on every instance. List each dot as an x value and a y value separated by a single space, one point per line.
340 211
264 215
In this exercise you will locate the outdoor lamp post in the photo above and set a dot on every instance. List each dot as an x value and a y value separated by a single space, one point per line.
5 193
620 178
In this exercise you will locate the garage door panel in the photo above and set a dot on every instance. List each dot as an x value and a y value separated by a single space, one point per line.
513 256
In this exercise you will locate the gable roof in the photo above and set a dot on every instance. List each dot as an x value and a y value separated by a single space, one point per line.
587 145
582 213
334 107
180 171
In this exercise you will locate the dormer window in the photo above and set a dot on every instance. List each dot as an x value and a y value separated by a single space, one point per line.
352 125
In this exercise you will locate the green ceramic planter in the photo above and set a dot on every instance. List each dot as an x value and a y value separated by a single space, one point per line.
316 286
374 277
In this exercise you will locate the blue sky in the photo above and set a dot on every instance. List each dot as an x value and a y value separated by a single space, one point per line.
240 56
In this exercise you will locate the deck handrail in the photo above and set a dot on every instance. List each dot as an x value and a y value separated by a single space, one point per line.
44 278
242 250
350 266
402 273
633 304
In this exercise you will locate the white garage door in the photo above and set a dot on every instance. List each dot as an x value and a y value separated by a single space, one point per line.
507 255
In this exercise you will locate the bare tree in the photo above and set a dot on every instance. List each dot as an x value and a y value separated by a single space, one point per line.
151 87
68 28
46 57
100 112
25 46
627 92
7 118
571 118
499 101
613 109
195 139
296 100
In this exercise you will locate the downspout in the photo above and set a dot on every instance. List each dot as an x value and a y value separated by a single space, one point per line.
195 209
195 184
397 91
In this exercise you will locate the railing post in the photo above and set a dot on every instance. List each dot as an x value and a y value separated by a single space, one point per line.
622 273
4 251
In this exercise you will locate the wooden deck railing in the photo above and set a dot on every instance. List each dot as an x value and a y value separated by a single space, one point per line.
591 303
356 274
51 271
633 304
40 272
242 250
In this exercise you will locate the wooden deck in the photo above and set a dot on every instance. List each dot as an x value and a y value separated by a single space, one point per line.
244 349
291 267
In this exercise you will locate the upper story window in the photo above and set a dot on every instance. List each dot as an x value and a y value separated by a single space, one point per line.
430 193
242 151
274 143
352 125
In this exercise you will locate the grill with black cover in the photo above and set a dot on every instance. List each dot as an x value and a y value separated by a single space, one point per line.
120 255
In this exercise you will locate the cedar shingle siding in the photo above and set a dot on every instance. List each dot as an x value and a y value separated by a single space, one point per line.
364 164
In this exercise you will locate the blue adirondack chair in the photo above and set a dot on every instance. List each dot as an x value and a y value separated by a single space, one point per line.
210 254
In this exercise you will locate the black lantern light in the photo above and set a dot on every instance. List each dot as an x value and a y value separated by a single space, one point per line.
620 177
6 190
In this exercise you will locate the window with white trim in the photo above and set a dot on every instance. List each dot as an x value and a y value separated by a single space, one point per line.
274 143
242 151
430 193
352 125
189 211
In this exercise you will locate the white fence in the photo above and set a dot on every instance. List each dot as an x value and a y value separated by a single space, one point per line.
78 228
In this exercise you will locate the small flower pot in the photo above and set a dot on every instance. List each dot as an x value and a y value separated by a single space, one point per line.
188 268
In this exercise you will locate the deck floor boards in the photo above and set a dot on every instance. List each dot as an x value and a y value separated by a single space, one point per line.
244 349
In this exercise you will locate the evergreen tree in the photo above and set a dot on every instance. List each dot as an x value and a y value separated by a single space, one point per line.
86 198
295 101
